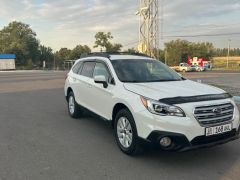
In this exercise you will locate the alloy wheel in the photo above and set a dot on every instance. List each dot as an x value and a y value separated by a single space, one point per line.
124 132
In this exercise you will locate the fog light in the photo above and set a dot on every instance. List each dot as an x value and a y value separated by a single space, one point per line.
165 141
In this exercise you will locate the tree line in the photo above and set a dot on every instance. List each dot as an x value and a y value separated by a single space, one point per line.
19 38
223 52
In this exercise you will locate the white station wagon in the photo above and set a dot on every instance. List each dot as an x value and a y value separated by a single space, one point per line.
146 100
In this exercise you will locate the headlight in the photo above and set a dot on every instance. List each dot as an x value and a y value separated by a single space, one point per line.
162 109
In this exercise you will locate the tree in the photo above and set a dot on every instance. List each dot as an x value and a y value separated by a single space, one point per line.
46 54
131 51
78 51
18 38
103 41
114 47
224 51
179 50
160 55
62 55
175 50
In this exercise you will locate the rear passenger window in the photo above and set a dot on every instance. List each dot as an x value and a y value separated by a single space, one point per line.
76 67
87 69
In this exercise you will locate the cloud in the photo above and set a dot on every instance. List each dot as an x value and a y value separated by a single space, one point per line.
66 23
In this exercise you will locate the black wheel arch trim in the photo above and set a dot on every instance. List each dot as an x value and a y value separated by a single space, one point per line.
189 99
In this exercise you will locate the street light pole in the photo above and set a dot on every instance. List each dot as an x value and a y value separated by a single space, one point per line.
229 40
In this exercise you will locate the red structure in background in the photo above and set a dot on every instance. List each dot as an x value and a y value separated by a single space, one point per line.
203 62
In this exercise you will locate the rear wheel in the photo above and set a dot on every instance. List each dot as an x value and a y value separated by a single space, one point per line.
73 108
126 133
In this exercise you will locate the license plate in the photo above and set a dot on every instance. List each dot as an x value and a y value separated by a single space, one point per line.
218 129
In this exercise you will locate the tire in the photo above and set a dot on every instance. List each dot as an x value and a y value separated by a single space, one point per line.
73 108
126 133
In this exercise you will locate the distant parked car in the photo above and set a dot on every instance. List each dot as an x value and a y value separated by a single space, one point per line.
183 67
197 68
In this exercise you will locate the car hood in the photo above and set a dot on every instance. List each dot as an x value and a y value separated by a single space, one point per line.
160 90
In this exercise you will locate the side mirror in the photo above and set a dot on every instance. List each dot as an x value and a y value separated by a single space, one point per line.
101 80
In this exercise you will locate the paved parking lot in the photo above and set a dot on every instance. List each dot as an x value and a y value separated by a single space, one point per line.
39 141
227 79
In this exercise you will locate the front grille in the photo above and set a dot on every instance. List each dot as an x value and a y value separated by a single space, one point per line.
214 114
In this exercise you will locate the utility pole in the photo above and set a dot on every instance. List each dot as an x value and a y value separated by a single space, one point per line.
54 63
229 40
148 27
165 56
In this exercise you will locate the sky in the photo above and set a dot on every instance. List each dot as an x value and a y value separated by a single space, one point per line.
66 23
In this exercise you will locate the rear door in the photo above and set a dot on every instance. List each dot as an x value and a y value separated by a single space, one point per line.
84 84
73 78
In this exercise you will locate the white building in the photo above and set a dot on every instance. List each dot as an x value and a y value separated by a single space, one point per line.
7 62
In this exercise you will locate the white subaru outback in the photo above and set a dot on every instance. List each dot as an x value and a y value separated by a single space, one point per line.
146 100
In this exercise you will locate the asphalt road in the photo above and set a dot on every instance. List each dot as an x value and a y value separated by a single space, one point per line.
231 79
39 141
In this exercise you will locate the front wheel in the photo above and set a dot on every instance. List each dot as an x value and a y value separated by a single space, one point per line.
126 132
73 108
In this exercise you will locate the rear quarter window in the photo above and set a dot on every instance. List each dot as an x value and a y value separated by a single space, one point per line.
77 67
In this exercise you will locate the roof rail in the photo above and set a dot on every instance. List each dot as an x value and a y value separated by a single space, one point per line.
101 54
108 54
129 53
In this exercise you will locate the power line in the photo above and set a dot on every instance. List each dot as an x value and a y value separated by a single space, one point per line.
205 35
179 36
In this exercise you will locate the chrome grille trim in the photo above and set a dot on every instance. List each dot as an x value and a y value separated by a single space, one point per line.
207 117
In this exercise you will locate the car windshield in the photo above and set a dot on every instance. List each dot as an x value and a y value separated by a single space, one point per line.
140 70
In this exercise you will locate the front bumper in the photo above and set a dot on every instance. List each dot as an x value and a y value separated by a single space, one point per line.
181 143
147 123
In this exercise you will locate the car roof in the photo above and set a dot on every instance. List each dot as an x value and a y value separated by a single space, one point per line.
115 55
127 57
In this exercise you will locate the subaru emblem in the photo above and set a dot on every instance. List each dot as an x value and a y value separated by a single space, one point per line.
217 110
